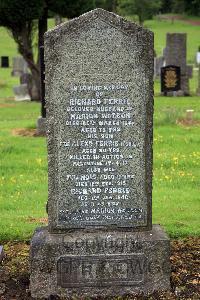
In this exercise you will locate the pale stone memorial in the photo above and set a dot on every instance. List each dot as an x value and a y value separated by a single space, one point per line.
21 92
20 66
99 98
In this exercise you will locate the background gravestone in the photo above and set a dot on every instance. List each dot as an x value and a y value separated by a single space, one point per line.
5 61
158 64
175 54
27 78
99 99
21 92
19 66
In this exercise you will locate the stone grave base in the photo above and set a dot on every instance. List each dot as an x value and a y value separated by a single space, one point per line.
106 263
41 126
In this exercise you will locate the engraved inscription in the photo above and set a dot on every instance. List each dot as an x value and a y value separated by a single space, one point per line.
100 270
101 142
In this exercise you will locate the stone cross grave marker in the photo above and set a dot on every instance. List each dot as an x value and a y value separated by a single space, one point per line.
99 98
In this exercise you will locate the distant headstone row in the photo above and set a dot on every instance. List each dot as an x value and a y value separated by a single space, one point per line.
20 69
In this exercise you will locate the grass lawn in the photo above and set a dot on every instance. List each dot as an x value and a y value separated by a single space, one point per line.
23 172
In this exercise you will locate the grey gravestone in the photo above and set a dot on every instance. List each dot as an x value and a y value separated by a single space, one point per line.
21 92
175 54
27 78
158 64
58 20
19 66
41 126
190 71
99 98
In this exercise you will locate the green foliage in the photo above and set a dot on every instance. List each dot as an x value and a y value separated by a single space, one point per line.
166 6
15 13
18 12
109 5
70 8
144 9
191 7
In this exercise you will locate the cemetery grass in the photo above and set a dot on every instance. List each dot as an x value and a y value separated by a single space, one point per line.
23 173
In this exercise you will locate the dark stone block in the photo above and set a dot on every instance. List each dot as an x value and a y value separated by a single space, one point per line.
111 263
4 61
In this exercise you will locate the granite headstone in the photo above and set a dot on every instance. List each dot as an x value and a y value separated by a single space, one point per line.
99 99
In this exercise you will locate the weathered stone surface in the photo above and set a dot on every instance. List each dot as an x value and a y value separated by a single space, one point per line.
176 50
82 263
99 99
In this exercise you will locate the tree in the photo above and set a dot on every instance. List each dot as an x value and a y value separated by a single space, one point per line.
144 9
191 7
109 5
166 6
20 18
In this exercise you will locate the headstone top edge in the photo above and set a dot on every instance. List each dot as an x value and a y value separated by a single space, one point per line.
176 33
109 17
